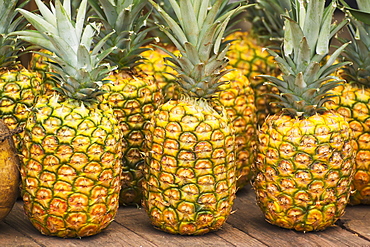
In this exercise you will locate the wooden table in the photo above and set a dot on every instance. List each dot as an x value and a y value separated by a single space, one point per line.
245 227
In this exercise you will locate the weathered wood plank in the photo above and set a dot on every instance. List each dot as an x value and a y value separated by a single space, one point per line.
137 221
115 235
356 220
10 237
249 218
245 227
227 236
237 237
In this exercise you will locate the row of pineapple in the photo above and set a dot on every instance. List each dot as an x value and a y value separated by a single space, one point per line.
181 131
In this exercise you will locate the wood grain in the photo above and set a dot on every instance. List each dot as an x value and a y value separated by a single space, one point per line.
245 227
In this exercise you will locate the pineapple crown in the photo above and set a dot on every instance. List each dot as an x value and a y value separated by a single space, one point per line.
10 47
267 22
358 50
304 61
225 7
78 67
155 18
235 19
74 4
197 34
125 18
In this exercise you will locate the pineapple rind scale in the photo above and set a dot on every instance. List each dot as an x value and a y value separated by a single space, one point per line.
71 171
304 169
190 177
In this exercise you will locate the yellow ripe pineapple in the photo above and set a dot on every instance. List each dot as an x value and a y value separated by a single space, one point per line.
71 171
155 57
133 95
248 55
237 98
19 87
305 154
353 98
246 52
190 175
41 64
155 66
249 58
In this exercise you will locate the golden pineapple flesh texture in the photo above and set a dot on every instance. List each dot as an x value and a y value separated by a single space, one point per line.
304 169
353 103
71 169
190 179
18 93
133 100
237 98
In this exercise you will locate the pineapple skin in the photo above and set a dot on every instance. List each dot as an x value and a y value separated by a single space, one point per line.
40 64
237 98
133 98
155 65
304 169
190 176
71 168
250 58
352 102
19 89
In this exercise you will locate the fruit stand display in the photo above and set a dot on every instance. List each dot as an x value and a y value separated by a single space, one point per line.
150 123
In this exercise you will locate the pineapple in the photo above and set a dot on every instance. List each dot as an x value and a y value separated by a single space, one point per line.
71 167
235 97
247 53
305 153
190 173
353 98
248 57
41 64
132 94
19 87
155 64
